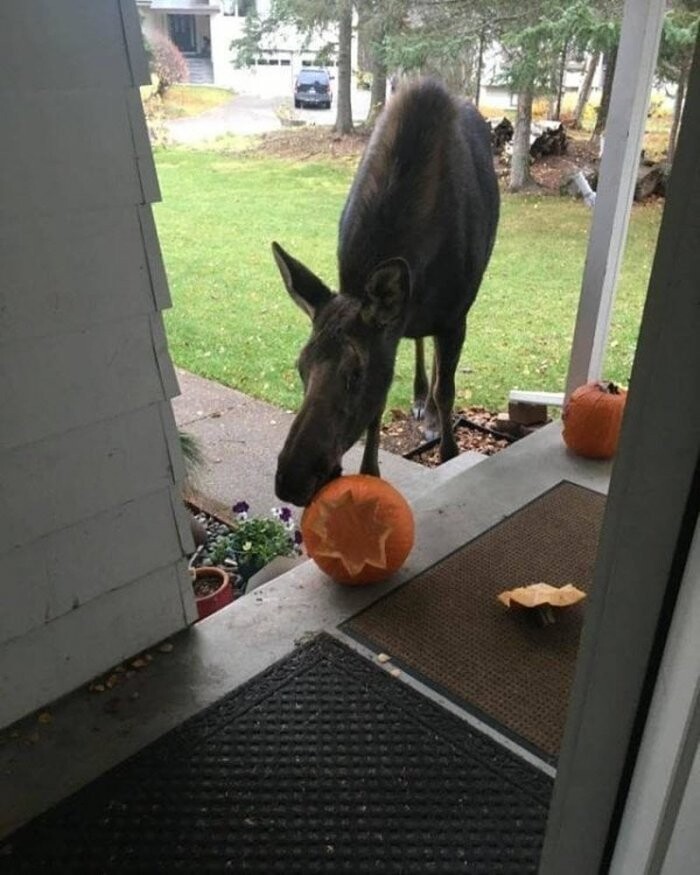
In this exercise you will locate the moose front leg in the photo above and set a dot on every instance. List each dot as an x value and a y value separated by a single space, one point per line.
448 348
370 457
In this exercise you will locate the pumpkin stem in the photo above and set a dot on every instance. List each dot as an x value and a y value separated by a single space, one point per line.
545 615
610 388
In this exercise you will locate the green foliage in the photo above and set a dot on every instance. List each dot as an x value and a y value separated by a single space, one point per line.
254 542
307 16
232 320
535 40
680 31
191 451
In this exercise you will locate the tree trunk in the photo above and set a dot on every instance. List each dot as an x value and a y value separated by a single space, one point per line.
479 66
610 60
560 82
378 94
585 90
520 160
343 122
677 112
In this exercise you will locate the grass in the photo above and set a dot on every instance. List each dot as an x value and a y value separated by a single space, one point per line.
182 101
233 322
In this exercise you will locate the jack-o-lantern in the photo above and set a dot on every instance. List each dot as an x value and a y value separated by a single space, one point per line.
358 529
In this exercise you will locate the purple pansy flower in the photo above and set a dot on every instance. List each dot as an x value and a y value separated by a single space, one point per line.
241 508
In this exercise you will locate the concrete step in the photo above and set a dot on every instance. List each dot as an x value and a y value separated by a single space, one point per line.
200 71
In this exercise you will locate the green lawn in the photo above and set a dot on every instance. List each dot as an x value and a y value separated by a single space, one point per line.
232 320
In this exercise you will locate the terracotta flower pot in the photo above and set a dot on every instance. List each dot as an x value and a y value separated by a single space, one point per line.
222 596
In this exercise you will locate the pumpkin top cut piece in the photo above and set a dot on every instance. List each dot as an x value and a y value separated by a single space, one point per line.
537 594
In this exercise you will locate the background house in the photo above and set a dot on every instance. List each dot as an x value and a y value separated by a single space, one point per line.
204 31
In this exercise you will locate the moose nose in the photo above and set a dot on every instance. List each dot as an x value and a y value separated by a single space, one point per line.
293 487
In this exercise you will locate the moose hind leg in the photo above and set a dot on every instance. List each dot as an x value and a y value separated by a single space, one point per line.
448 348
420 382
431 427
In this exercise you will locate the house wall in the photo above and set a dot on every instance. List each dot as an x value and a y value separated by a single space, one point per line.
93 534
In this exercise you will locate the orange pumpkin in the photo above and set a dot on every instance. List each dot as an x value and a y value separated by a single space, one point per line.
358 529
592 419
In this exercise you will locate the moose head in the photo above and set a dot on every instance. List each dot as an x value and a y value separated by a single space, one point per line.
346 369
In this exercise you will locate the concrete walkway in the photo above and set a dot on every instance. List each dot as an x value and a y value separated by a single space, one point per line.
243 114
248 115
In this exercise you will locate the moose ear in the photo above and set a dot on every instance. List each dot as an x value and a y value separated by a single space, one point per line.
387 293
305 288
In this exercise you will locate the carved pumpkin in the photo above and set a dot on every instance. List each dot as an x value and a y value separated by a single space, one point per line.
592 419
358 529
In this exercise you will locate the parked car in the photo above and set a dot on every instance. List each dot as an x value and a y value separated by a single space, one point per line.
313 88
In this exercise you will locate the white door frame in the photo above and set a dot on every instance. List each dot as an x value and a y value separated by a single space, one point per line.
647 532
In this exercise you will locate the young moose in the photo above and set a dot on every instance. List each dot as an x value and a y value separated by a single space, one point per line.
415 237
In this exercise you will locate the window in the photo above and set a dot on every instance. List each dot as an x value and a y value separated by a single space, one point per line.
246 7
241 8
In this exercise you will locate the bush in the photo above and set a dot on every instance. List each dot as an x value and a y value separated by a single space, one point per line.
167 62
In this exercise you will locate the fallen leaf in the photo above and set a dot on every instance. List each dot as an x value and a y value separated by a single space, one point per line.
45 718
167 647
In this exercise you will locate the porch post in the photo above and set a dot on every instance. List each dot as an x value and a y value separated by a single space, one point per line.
636 62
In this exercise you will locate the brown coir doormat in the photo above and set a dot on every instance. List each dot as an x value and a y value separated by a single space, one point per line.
447 627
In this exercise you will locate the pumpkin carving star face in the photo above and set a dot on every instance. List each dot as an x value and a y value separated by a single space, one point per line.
358 529
593 419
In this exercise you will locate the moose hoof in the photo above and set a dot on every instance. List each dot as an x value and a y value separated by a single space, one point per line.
430 434
418 409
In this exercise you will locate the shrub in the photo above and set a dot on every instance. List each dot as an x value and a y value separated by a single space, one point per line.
167 62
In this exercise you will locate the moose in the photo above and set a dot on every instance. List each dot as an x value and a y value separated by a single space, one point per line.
415 237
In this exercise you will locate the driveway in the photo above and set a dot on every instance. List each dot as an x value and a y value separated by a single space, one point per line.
247 114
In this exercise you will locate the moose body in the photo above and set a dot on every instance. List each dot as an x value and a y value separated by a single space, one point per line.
416 234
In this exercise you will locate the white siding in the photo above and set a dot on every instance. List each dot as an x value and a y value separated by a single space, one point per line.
92 528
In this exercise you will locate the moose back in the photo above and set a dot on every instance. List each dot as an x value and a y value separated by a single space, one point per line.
416 234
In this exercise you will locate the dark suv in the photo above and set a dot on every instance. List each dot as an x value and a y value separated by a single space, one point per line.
313 88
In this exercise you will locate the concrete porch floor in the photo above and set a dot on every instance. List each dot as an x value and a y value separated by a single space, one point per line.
42 762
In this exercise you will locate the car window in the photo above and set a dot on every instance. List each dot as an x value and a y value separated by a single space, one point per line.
313 76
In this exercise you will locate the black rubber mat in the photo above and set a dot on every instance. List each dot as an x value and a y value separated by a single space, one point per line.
323 763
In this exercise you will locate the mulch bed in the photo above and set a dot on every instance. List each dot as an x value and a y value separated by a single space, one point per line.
311 141
476 429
